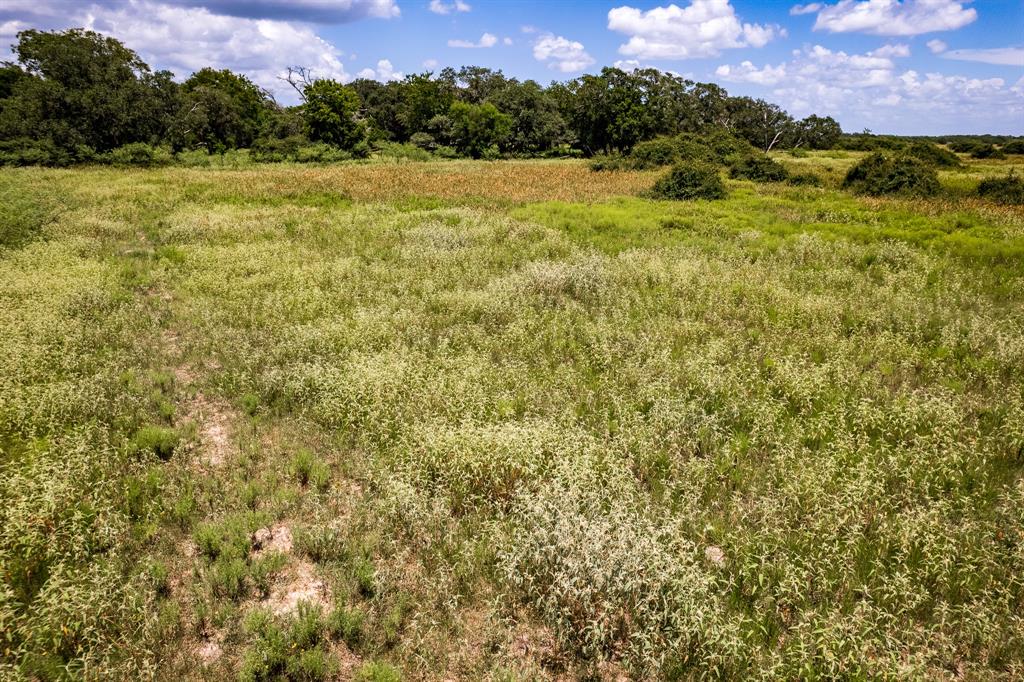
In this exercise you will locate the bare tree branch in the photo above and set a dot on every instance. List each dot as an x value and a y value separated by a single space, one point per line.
299 77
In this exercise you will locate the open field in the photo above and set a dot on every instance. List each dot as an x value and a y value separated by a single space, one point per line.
507 420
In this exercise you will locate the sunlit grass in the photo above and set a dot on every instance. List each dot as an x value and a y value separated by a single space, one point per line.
519 421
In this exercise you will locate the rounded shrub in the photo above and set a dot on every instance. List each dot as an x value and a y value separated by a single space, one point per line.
759 168
1008 190
804 179
661 151
933 154
1013 147
987 151
687 181
879 174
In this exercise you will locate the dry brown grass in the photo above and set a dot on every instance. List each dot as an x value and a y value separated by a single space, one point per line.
475 182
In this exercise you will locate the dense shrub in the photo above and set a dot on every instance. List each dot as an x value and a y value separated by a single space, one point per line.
933 154
661 151
690 181
1013 147
1008 190
879 174
987 151
408 152
271 149
139 154
759 168
609 162
25 152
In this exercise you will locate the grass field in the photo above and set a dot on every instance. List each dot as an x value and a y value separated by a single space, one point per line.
507 420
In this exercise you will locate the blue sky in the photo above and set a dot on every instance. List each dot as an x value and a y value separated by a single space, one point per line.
910 66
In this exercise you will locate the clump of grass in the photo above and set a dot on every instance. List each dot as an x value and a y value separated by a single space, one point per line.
307 469
295 650
377 671
160 441
1008 190
346 624
879 174
686 182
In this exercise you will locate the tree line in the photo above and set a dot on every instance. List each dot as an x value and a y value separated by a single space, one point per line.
75 95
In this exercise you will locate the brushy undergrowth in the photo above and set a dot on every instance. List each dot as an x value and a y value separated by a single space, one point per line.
1007 190
776 436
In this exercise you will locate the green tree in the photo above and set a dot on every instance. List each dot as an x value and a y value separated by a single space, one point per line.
478 127
330 112
220 110
82 89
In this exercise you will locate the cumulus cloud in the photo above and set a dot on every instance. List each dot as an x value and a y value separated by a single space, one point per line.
893 17
383 73
872 89
746 72
430 64
898 50
486 40
440 7
936 46
1007 56
561 53
701 29
184 39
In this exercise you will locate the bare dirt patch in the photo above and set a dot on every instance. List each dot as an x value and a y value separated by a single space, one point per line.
213 428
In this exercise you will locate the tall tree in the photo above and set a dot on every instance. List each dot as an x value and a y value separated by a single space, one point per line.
82 88
330 112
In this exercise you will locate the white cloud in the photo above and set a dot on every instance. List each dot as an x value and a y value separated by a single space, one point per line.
746 72
872 90
184 39
486 40
1008 56
430 64
898 50
810 8
383 73
701 29
893 17
627 64
936 46
506 40
440 7
561 53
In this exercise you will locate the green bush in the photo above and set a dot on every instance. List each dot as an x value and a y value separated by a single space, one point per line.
321 152
879 174
347 625
933 154
27 152
141 155
1013 147
1008 190
690 181
608 162
987 151
759 168
273 149
661 151
407 152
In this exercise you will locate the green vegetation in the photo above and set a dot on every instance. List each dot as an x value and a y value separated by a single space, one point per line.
690 181
515 420
879 174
